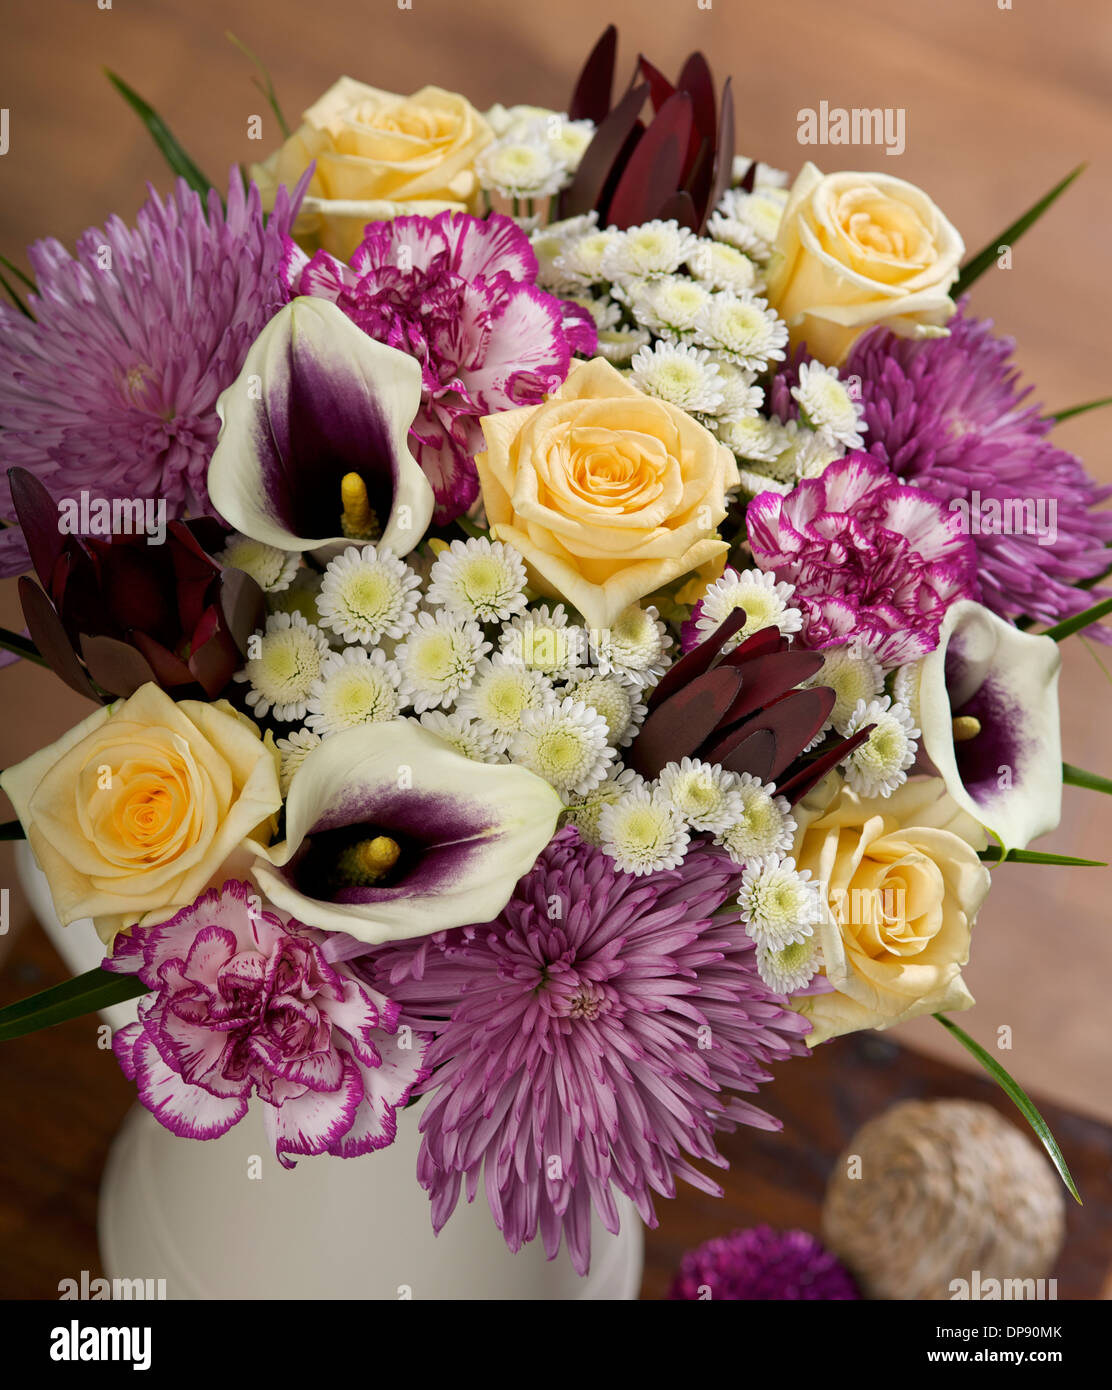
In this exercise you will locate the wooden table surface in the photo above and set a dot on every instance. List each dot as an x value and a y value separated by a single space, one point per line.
62 1098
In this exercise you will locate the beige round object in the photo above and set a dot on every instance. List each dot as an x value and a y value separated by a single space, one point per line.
934 1190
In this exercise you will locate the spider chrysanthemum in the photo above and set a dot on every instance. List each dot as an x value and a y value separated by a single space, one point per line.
286 660
368 594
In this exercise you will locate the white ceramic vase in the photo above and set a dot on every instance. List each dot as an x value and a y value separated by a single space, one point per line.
222 1219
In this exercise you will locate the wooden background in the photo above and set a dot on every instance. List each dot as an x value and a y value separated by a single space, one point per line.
1000 103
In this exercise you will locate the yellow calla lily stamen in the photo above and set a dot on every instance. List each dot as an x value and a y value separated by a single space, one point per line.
966 726
368 862
359 522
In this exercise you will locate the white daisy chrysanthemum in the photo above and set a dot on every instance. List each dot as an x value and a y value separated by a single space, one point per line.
293 750
300 596
741 396
355 686
568 139
542 640
565 743
618 345
480 579
765 826
550 245
765 177
722 267
905 687
438 658
614 700
828 406
510 120
704 794
367 594
465 735
287 660
501 692
744 329
749 221
854 674
879 765
756 439
642 833
809 452
521 166
603 310
790 968
582 258
636 646
271 569
766 600
584 812
643 252
779 903
683 376
671 305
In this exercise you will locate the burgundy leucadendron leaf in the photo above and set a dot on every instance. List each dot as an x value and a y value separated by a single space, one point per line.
679 725
50 637
755 754
38 519
794 719
600 155
724 157
591 98
660 89
797 787
115 665
680 207
653 172
698 660
243 606
766 678
695 79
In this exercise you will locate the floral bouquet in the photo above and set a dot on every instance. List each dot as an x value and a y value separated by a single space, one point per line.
572 620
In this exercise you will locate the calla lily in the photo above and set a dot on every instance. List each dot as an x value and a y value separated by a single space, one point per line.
319 413
988 710
442 840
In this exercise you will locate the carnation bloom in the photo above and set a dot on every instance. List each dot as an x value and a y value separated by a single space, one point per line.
570 1055
948 414
113 387
244 1004
869 556
459 295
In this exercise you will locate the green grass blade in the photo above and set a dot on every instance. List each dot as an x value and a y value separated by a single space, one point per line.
1078 621
975 268
1019 1098
162 136
1036 856
1078 777
263 82
19 274
1071 411
85 994
22 646
13 295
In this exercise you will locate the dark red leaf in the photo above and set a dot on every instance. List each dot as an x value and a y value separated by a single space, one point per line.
137 590
214 658
724 155
115 665
697 660
243 606
697 80
46 631
759 643
599 158
749 179
766 678
591 99
38 518
660 89
653 172
697 176
679 208
170 671
209 533
754 753
797 786
679 725
795 719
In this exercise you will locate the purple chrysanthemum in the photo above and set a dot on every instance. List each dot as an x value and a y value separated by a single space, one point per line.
587 1040
457 293
761 1263
245 1004
113 388
869 557
948 414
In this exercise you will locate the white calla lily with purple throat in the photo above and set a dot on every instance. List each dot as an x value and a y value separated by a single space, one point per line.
988 711
391 834
317 401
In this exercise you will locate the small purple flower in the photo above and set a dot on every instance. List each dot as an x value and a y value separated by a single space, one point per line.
950 415
245 1004
113 388
459 295
592 1038
869 557
763 1264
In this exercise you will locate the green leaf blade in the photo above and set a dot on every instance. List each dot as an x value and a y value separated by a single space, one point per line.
1071 411
1092 781
1019 1098
85 994
1068 626
162 136
975 268
264 83
1036 856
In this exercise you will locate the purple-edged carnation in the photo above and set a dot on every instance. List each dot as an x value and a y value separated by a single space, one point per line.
243 1005
459 295
949 414
763 1264
591 1039
113 388
869 557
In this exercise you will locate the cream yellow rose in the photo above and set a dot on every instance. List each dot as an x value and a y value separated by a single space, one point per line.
857 250
377 156
609 494
902 885
134 811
